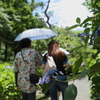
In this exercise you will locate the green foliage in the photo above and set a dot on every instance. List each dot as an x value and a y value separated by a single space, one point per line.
84 73
4 19
97 40
95 67
8 90
86 20
87 30
16 17
80 52
70 92
78 20
94 7
74 26
40 45
20 17
10 55
76 66
95 87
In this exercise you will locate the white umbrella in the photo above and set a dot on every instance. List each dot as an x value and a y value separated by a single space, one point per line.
36 34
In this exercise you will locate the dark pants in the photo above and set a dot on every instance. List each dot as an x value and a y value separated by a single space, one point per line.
29 96
54 88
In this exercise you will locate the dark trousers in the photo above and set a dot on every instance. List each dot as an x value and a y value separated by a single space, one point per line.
29 96
57 84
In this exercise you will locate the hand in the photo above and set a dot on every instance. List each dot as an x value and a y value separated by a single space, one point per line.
43 66
67 65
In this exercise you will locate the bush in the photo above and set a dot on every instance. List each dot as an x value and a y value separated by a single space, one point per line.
8 90
95 87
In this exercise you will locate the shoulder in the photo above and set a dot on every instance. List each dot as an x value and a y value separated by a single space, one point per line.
33 51
18 54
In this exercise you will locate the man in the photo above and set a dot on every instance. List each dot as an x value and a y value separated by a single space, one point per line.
25 63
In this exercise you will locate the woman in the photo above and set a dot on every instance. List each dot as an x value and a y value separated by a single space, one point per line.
25 63
61 62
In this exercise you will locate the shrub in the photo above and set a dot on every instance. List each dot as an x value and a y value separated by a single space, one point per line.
8 90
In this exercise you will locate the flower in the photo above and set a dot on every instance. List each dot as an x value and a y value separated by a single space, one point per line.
45 79
7 66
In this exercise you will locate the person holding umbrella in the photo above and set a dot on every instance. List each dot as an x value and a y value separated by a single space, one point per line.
60 59
25 63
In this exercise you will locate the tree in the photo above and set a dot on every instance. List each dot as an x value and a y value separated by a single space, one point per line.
4 19
18 17
92 64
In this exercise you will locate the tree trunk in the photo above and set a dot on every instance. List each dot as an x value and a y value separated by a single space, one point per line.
6 49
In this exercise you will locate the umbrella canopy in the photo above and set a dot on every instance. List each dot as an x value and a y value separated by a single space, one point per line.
36 34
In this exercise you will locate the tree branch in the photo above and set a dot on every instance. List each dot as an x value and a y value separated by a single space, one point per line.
45 12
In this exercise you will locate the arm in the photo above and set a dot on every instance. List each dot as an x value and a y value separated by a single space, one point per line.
16 70
38 59
44 61
43 66
67 65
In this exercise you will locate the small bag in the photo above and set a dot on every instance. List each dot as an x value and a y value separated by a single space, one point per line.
34 78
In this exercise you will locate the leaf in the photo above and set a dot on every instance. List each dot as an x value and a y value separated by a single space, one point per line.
74 26
77 65
95 67
78 20
96 80
97 40
97 15
87 30
84 73
86 40
87 19
98 3
70 92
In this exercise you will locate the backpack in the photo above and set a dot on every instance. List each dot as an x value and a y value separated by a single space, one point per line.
49 64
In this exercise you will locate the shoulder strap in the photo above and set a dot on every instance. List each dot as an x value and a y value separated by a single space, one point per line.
47 55
24 60
22 56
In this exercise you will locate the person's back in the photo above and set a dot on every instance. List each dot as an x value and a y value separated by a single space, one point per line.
25 64
60 59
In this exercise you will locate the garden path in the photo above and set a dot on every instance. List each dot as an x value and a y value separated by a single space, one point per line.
83 88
